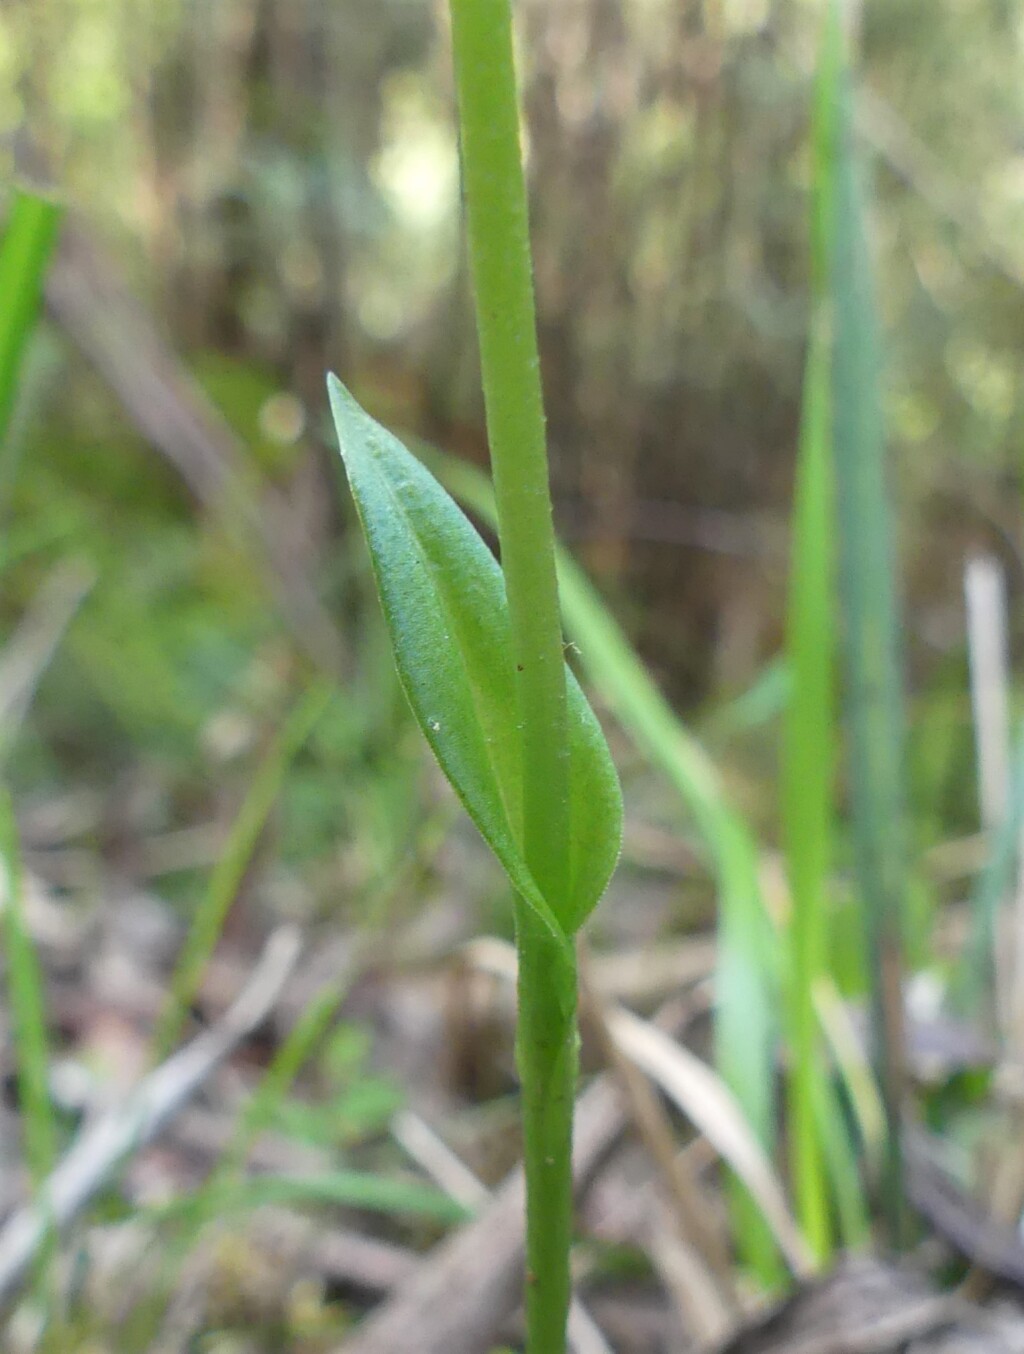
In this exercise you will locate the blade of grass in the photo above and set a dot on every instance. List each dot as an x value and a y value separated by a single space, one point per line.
25 251
30 1043
747 979
867 592
806 788
351 1189
285 1066
808 745
28 1011
230 869
839 1148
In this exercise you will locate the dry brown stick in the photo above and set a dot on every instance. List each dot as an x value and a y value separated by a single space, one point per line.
105 1144
467 1286
91 303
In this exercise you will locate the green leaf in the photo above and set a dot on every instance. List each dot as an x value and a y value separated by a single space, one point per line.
444 601
25 251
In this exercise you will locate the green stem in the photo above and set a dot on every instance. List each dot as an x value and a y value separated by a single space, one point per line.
546 1045
499 248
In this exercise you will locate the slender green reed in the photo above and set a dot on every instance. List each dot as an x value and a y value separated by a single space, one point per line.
26 997
25 251
809 735
808 763
28 1009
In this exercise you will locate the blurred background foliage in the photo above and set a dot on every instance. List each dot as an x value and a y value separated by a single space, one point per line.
276 182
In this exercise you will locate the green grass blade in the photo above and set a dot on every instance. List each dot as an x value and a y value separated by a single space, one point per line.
28 1010
839 1148
275 1084
867 591
349 1189
808 744
808 762
747 979
25 251
230 869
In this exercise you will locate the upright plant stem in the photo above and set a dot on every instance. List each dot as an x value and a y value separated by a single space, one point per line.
498 229
500 253
546 1056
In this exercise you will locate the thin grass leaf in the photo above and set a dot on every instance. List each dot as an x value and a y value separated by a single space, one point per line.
808 761
286 1064
28 1009
25 251
867 591
839 1148
747 978
230 869
809 740
759 706
349 1189
444 601
28 1035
